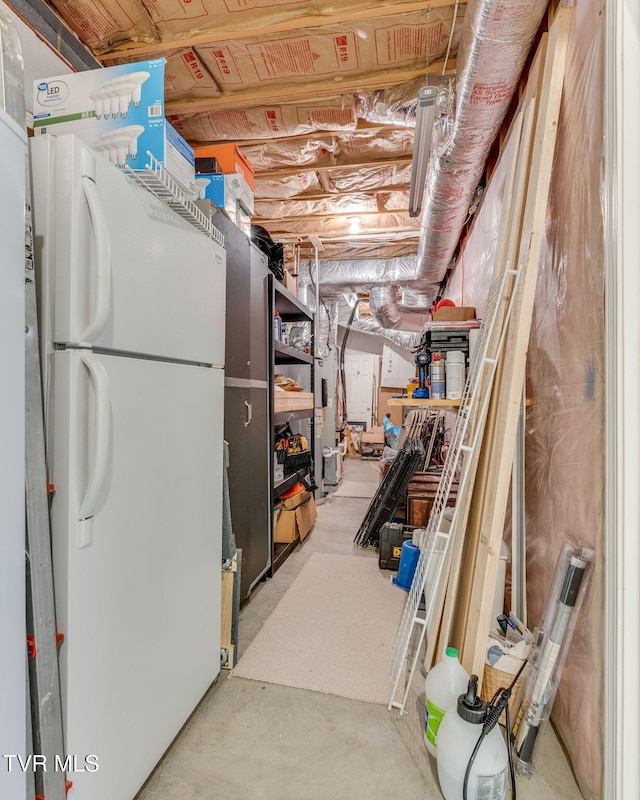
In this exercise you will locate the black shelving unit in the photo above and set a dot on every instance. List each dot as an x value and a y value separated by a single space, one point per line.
290 309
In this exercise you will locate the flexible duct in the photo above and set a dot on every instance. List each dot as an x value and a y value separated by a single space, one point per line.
407 340
496 38
384 307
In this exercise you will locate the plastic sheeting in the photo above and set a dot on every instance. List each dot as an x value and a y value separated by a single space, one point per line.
408 40
397 104
350 180
271 121
288 186
565 424
101 24
348 204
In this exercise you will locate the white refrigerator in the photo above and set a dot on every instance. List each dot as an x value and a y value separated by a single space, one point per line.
132 303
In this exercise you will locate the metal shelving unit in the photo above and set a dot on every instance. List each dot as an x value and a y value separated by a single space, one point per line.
290 309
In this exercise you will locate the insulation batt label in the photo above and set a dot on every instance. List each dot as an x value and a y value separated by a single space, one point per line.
14 762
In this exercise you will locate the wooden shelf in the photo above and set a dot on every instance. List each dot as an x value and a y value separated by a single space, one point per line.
284 354
281 552
421 402
287 416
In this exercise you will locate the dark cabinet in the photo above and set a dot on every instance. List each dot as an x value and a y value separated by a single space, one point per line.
247 399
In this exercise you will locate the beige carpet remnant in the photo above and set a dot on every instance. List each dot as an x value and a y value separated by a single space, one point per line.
333 631
356 489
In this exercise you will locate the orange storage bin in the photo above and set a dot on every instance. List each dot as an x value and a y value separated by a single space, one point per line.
230 160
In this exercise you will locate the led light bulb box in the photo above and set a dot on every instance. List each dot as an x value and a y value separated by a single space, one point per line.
119 112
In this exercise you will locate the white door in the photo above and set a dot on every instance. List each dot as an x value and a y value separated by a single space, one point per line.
121 270
136 459
361 374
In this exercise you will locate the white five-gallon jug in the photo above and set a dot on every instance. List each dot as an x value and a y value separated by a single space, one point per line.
444 684
458 735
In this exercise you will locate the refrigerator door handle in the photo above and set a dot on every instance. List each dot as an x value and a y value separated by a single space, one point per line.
249 413
102 308
102 438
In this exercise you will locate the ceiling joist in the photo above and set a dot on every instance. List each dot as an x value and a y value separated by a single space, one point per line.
290 171
135 50
309 92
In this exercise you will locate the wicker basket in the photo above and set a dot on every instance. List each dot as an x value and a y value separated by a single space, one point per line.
494 679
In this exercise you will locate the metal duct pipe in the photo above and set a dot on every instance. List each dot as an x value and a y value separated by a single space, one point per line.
407 340
384 307
342 276
496 37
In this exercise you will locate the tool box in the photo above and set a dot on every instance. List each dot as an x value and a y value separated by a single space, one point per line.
392 535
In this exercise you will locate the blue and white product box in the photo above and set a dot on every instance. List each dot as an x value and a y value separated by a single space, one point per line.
119 111
230 192
210 186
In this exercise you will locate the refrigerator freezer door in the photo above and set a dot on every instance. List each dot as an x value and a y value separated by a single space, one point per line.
136 558
120 270
12 587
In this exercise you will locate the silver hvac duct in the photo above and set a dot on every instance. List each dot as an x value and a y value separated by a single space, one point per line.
384 306
496 38
407 340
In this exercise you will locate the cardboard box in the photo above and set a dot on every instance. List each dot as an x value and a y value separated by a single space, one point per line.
295 519
230 160
230 192
119 112
454 314
374 435
384 395
291 282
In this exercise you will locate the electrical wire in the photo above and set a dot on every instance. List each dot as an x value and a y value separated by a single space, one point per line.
453 27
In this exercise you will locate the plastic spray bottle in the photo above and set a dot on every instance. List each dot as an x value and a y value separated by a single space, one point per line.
471 751
444 684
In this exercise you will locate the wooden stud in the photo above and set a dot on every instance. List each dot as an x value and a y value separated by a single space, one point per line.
309 92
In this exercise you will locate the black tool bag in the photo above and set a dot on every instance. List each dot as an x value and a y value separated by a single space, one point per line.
292 450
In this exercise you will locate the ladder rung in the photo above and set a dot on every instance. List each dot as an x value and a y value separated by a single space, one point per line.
488 360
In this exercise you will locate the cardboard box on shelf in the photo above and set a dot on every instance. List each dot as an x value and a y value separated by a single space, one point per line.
454 314
119 112
230 160
291 282
372 443
295 519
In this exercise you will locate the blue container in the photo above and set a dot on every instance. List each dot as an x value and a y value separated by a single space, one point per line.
408 562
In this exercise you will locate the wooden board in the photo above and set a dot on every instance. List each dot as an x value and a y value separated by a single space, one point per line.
508 396
514 199
292 401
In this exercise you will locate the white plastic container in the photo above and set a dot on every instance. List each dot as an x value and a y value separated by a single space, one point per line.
444 684
457 737
455 372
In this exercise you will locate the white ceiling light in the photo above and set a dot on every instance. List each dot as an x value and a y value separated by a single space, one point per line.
355 224
425 115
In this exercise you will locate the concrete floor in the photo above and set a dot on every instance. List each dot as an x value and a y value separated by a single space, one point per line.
250 740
